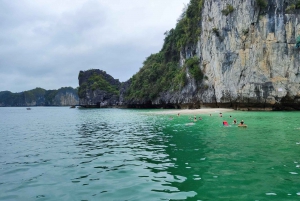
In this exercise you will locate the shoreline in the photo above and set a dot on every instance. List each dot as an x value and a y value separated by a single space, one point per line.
194 111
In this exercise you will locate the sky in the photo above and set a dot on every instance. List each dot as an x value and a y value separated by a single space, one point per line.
45 43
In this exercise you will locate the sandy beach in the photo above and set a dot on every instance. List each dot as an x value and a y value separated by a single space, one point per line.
194 111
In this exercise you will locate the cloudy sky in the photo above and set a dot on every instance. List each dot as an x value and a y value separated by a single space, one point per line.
45 43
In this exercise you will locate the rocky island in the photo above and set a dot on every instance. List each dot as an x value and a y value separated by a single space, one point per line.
241 54
65 96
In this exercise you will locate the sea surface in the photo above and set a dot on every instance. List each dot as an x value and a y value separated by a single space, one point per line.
58 153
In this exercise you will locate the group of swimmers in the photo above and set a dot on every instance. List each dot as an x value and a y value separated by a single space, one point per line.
225 123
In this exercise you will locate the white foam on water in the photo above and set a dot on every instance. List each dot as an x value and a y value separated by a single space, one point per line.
295 162
197 178
271 194
297 142
293 173
289 194
297 166
188 167
196 149
298 193
215 176
196 175
186 163
202 159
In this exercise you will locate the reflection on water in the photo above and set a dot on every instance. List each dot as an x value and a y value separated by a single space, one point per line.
111 154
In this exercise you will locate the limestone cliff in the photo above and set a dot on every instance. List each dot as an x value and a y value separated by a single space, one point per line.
98 89
245 51
248 57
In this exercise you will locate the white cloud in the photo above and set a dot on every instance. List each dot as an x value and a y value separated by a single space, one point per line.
46 43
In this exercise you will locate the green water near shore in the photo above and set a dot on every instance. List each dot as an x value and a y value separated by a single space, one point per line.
113 154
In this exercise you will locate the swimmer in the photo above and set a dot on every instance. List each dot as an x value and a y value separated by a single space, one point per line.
242 124
178 114
225 123
234 121
230 116
209 114
195 118
200 118
221 115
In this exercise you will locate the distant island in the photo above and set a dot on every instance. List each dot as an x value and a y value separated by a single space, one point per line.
238 54
65 96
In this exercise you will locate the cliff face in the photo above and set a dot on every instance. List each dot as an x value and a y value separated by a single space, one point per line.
98 89
246 53
248 57
65 96
252 60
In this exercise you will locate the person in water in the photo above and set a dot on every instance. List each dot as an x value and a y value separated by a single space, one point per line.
221 115
234 121
242 122
200 118
225 123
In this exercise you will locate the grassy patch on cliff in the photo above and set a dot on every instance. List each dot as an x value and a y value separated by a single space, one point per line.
161 71
262 3
193 65
293 6
229 9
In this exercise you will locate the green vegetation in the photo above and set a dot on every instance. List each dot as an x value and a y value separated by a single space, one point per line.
262 3
229 9
293 6
161 71
245 31
298 42
95 82
290 8
193 65
216 31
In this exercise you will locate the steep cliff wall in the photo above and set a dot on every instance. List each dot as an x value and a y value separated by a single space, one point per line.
251 59
248 57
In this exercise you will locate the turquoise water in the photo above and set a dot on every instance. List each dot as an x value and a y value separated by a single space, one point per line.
57 153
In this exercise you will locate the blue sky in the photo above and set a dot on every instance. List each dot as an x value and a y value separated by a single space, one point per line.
46 43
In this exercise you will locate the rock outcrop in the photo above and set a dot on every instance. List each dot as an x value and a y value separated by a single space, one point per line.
98 89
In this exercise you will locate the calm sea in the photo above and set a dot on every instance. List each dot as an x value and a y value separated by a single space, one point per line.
57 153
